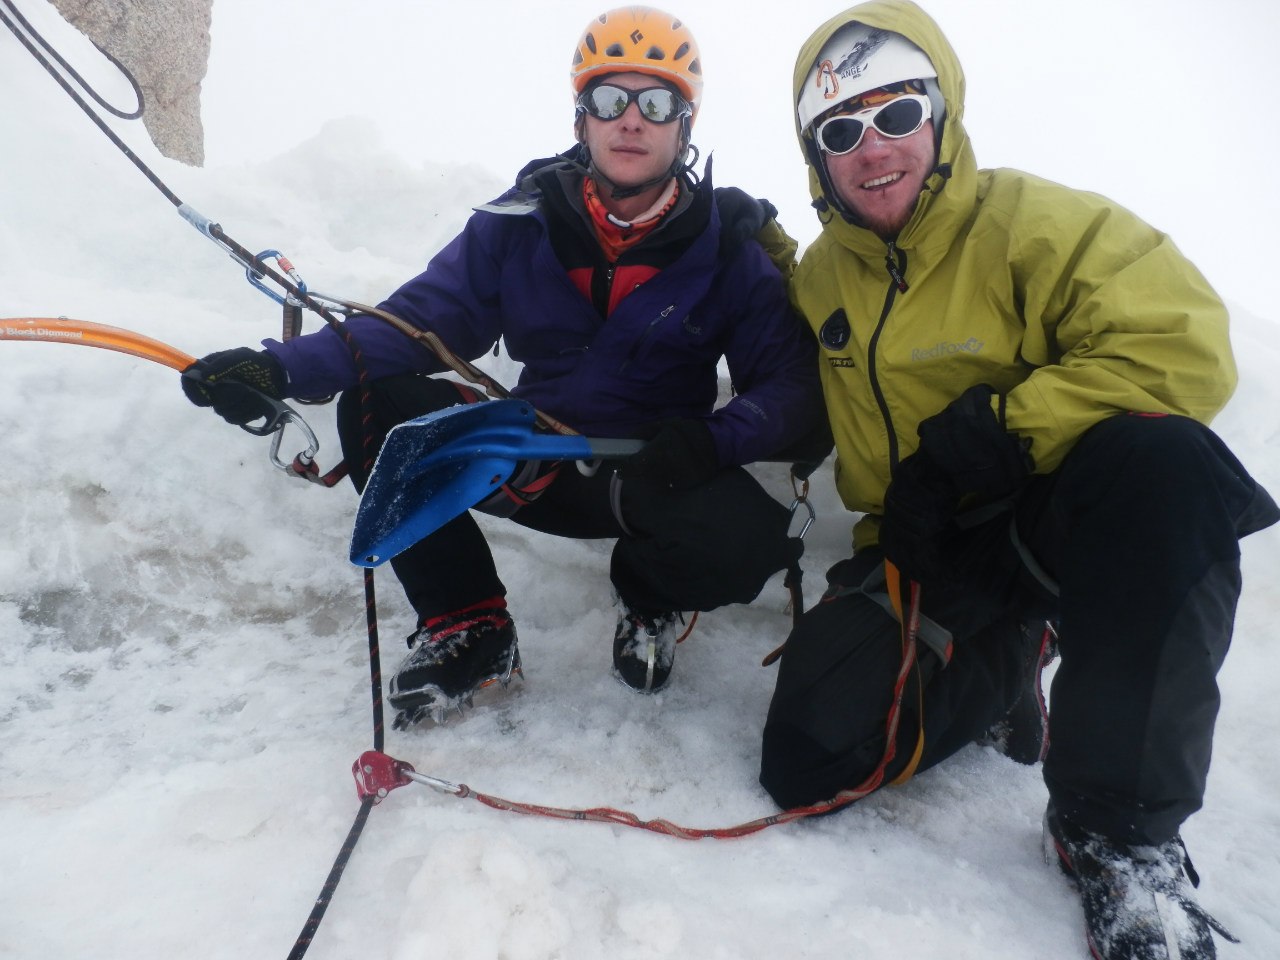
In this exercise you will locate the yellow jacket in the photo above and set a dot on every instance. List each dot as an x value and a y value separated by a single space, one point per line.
1061 299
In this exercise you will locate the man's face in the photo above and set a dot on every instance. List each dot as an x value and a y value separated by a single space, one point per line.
630 150
881 178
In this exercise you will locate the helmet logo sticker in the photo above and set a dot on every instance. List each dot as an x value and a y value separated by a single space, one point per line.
636 36
854 63
835 332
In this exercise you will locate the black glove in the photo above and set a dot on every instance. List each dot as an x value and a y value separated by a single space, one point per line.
681 455
234 382
964 452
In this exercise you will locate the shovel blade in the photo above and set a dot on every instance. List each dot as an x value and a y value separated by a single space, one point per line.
432 469
437 466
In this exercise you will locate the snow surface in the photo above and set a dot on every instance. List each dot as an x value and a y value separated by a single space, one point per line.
183 668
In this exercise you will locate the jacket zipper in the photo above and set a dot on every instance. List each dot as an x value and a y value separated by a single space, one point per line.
602 288
644 337
897 267
896 263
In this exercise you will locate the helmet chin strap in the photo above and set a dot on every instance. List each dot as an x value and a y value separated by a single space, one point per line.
681 163
624 193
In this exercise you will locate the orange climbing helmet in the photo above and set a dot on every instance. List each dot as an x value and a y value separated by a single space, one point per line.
639 40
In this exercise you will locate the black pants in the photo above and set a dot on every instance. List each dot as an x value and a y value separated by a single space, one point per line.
1132 546
676 550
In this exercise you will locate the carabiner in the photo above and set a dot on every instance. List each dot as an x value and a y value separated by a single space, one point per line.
255 277
813 515
283 417
801 491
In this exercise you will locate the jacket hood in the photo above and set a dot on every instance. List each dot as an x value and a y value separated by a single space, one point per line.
952 187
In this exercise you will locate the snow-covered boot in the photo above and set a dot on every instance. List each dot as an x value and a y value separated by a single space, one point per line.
453 656
1022 734
1138 904
644 649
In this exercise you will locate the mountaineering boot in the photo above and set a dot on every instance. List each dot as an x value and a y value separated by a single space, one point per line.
1022 734
1138 904
453 656
644 649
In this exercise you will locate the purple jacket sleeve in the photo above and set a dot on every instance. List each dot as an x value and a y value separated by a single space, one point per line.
772 362
455 297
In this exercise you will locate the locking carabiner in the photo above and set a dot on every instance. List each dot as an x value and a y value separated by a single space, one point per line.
801 491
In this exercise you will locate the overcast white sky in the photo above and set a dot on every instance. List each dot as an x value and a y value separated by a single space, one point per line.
1150 104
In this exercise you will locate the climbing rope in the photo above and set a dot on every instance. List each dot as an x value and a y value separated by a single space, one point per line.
377 774
28 35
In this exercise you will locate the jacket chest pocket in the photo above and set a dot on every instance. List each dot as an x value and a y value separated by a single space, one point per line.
670 338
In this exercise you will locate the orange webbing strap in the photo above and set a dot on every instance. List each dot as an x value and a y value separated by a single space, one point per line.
906 603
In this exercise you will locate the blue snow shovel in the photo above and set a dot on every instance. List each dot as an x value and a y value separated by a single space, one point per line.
436 467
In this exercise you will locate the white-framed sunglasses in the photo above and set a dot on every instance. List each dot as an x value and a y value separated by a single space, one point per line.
896 118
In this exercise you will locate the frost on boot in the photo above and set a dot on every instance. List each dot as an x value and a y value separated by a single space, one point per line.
644 649
1138 903
452 657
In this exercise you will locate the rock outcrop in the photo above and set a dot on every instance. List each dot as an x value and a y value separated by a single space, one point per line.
165 45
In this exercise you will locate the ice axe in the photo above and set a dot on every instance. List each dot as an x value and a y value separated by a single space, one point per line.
89 334
437 466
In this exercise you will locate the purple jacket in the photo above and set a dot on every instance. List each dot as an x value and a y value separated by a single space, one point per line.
654 358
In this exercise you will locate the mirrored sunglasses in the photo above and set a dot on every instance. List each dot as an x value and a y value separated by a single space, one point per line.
899 117
657 104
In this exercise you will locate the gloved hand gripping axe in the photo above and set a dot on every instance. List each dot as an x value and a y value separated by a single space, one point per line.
276 414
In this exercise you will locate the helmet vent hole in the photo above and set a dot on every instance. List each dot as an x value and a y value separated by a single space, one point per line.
695 67
590 41
655 53
614 50
681 50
